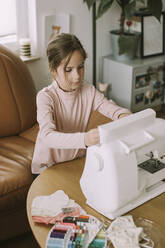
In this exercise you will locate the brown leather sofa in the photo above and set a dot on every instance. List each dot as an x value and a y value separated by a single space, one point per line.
18 130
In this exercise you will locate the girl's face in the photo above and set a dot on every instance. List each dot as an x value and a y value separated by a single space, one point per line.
70 77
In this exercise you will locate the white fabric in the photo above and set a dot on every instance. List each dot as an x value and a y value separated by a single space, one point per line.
51 205
123 233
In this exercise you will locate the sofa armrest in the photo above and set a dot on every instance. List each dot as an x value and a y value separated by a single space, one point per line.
31 133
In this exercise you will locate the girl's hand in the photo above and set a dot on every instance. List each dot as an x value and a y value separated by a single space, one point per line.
92 137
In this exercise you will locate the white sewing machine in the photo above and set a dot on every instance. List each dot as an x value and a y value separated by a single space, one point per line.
128 166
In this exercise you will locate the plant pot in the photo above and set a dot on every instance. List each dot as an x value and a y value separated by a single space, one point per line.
125 46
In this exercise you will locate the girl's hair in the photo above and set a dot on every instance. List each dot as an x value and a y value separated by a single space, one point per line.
62 47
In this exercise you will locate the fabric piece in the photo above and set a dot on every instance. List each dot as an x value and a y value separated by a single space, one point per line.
52 205
63 118
124 233
58 218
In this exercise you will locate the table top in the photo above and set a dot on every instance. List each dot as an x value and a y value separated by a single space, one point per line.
66 176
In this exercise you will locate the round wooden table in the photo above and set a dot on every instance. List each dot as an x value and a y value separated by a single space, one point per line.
66 176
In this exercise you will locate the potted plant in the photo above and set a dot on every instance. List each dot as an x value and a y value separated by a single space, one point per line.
125 38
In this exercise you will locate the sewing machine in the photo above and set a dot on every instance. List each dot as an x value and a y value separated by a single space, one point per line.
127 168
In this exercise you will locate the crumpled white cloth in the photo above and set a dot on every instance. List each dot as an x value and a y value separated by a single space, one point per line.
123 233
51 205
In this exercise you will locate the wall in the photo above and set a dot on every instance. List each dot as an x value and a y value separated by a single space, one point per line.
81 25
109 21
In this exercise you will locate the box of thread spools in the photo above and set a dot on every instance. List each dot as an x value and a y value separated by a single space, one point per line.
77 232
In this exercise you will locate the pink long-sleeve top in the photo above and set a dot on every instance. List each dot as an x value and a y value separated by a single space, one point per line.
63 118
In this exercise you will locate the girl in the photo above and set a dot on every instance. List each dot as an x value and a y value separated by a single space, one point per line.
64 107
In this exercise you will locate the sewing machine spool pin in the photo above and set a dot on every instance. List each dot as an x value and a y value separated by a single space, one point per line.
150 154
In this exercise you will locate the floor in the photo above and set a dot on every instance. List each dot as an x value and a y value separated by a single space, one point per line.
24 241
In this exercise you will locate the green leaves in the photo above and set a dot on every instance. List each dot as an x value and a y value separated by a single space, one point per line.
89 3
103 7
141 1
127 6
129 9
155 6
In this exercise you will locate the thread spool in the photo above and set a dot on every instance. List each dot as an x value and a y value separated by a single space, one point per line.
25 47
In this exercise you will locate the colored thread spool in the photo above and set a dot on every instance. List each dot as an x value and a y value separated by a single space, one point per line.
55 243
97 243
59 230
57 235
